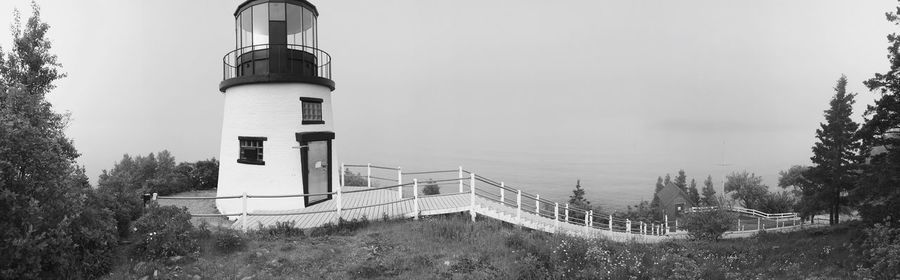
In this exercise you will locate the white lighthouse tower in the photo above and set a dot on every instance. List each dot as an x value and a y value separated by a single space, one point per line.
277 129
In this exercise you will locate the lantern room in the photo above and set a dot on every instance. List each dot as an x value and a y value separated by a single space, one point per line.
276 41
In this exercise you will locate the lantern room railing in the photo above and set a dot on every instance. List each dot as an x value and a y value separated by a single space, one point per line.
282 59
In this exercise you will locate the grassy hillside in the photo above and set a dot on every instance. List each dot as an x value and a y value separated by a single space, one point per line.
453 247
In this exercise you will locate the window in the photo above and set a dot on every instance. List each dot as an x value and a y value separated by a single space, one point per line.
311 109
251 150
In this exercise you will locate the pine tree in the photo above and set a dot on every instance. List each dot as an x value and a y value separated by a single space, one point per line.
693 193
654 204
878 195
835 154
667 180
577 199
681 181
709 193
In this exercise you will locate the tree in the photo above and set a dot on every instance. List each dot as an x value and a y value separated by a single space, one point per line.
877 194
51 226
810 194
708 225
693 192
746 188
709 193
654 204
667 180
681 181
835 154
577 199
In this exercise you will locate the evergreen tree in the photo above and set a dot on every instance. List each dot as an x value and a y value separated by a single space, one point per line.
693 193
681 181
709 193
835 154
667 180
878 195
654 203
577 199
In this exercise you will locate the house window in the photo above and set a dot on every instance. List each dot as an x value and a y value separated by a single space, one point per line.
251 150
311 109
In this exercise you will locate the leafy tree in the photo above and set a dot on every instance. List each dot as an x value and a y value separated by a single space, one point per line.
693 192
810 194
746 188
707 225
877 193
577 199
779 202
681 181
654 204
709 193
206 174
50 225
835 153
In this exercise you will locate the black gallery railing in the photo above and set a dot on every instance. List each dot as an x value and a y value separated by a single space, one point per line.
284 59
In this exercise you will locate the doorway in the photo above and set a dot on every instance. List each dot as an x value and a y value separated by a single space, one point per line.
316 166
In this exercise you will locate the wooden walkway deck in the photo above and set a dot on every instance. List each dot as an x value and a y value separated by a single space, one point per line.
373 205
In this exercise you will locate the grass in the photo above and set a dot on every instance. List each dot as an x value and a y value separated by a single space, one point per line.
452 247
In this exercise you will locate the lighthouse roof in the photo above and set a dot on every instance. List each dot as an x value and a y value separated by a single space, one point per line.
251 3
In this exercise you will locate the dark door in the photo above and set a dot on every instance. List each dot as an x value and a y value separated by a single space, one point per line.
316 164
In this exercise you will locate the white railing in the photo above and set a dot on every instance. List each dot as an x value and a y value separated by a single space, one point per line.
519 206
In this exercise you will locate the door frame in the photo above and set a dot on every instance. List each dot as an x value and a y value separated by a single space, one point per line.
304 138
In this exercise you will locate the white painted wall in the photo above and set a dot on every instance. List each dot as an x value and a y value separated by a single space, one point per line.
270 110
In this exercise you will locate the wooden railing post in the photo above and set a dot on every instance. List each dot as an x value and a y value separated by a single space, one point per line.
537 204
610 222
641 228
368 175
416 199
519 207
244 212
676 224
460 180
628 226
586 217
399 182
567 213
739 223
472 195
155 196
758 223
343 169
556 214
502 194
591 218
338 202
666 228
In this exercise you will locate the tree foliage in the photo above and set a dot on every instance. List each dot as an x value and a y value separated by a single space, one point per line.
835 154
694 193
681 181
707 225
877 193
709 193
577 199
811 200
747 188
52 225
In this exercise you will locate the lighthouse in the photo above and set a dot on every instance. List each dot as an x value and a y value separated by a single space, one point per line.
278 126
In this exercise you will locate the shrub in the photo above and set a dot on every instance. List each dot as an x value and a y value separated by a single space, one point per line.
343 227
431 188
708 225
229 240
165 232
882 248
354 179
280 230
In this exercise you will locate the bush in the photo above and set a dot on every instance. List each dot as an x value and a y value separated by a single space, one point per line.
708 225
431 188
280 230
165 232
343 227
882 249
229 240
354 179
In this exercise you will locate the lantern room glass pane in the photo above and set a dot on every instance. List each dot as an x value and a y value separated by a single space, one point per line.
294 24
276 11
308 23
261 26
246 29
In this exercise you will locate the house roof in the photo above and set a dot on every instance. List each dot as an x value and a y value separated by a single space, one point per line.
670 192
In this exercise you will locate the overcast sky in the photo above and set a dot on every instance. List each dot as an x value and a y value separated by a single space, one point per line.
653 85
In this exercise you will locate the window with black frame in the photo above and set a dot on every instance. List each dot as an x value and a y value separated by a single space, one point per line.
311 111
251 150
